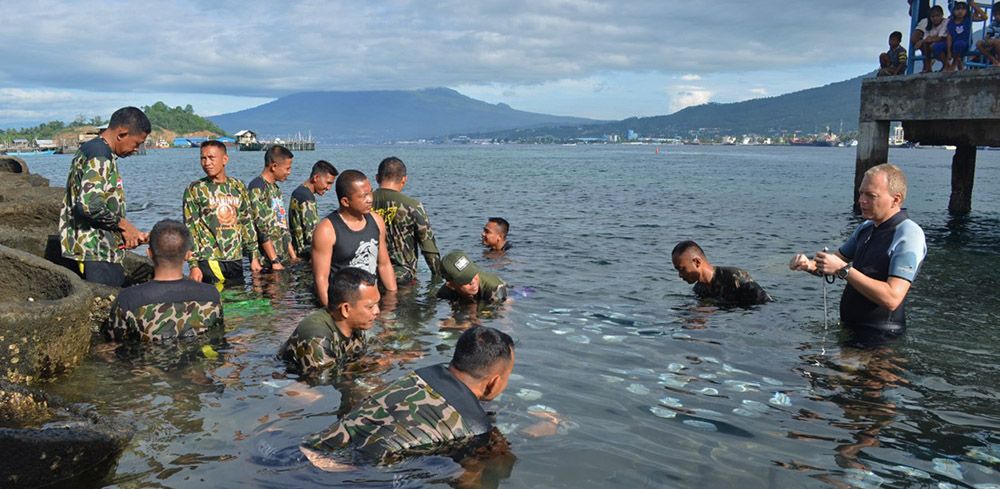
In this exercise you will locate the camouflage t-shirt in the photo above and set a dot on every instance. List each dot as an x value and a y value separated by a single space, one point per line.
93 205
159 310
424 412
270 218
407 228
302 219
732 285
491 290
317 345
220 218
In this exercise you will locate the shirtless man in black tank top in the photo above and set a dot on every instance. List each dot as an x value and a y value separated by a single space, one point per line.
359 244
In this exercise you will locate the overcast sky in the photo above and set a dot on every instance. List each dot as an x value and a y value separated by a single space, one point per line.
607 60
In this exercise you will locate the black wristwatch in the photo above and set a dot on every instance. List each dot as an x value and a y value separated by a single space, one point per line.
842 273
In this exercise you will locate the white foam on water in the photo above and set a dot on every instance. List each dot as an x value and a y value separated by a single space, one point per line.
780 399
611 338
745 413
772 381
681 336
710 391
560 311
673 381
541 408
979 454
562 331
733 370
701 425
708 376
863 479
948 467
671 402
529 394
755 405
676 367
611 379
912 472
710 359
638 389
507 428
663 412
581 339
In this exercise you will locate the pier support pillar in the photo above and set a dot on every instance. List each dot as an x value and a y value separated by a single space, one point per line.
873 149
963 172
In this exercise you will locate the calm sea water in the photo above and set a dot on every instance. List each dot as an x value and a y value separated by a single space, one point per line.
654 390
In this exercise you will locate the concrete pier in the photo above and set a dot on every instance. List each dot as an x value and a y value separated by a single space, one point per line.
960 109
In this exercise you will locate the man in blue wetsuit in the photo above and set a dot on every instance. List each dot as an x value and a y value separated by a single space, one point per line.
879 261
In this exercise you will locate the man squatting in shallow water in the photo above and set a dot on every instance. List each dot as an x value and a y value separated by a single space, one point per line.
351 236
332 337
725 285
427 411
269 214
879 261
93 231
302 212
219 215
169 306
407 226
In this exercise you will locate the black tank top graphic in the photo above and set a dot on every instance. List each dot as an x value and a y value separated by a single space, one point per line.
358 249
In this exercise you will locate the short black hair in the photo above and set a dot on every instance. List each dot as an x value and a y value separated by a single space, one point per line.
346 181
345 285
323 167
959 4
937 9
504 225
479 349
170 241
211 143
898 36
132 119
686 245
275 153
391 169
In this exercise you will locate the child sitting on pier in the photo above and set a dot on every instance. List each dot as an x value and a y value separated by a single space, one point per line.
990 44
960 33
935 33
893 61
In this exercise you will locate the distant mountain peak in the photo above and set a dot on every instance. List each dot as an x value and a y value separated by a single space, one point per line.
383 116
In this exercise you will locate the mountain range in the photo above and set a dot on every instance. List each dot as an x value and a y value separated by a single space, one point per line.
438 113
382 116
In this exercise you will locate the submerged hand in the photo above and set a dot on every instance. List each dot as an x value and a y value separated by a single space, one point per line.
800 262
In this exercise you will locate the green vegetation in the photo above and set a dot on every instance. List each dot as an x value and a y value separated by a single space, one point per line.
181 120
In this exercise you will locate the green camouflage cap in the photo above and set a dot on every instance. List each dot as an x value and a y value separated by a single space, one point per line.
457 268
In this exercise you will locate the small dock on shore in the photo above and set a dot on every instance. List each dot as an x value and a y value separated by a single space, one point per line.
960 109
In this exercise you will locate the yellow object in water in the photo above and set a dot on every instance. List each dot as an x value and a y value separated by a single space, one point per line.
209 352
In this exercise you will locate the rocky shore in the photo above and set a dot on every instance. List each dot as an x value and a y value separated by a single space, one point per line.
48 320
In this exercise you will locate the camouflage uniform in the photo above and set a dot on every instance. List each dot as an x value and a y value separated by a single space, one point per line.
93 206
424 412
270 219
220 218
159 310
406 228
302 219
317 344
491 290
732 285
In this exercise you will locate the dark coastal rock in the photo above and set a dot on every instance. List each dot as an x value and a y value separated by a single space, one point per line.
46 444
45 311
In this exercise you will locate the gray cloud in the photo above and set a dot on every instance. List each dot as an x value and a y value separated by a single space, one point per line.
268 49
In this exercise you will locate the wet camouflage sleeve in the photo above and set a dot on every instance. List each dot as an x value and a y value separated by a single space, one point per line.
749 292
264 219
157 322
93 206
406 418
302 219
427 243
314 354
201 235
246 222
